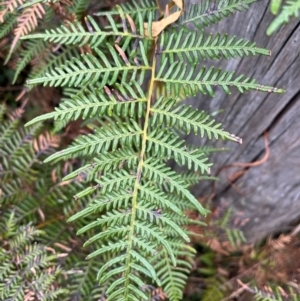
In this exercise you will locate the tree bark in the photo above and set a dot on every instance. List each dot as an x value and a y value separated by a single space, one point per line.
266 196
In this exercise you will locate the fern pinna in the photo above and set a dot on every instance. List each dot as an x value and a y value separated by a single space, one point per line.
284 10
136 219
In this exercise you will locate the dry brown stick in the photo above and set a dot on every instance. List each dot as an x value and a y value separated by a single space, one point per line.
235 294
240 173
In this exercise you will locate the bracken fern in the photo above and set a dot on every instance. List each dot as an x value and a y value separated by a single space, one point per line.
132 209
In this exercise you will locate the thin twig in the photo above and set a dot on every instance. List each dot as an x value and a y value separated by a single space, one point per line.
240 173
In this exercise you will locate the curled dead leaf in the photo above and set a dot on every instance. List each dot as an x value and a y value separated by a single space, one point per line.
159 26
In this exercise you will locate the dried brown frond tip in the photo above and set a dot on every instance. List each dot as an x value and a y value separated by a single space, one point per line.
45 141
11 6
27 22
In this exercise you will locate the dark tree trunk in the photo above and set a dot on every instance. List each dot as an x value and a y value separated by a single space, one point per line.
267 195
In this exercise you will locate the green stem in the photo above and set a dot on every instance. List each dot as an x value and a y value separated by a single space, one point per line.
138 176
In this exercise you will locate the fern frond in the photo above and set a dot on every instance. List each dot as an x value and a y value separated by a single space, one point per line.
161 199
69 94
215 290
191 178
7 129
19 141
163 220
45 144
207 12
2 112
8 25
23 161
194 47
121 218
275 293
128 205
186 118
159 173
103 139
112 218
18 149
33 2
111 200
112 182
174 277
115 181
124 101
204 80
79 7
27 22
82 279
32 49
135 8
75 33
274 6
233 235
120 265
165 144
90 70
18 159
106 162
26 268
51 61
290 9
10 192
155 233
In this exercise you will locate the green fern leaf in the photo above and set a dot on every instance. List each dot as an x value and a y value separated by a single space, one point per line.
8 25
111 200
107 184
90 70
103 139
136 7
204 80
52 61
33 2
106 162
35 271
178 45
159 173
147 192
79 7
166 145
290 8
174 277
33 49
208 12
124 101
186 118
75 33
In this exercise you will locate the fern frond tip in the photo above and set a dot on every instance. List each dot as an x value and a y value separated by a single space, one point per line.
40 118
